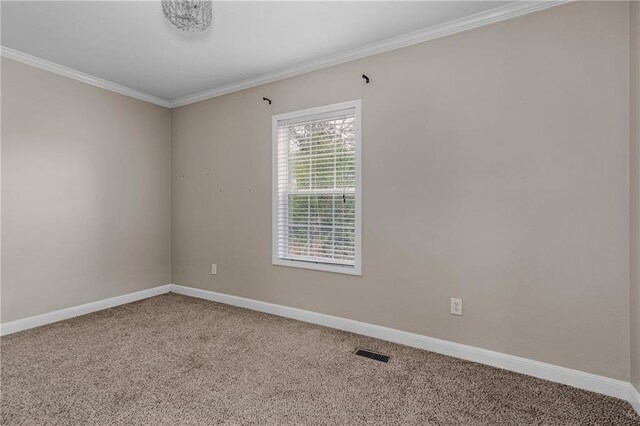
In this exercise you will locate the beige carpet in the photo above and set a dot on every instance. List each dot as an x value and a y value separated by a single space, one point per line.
174 360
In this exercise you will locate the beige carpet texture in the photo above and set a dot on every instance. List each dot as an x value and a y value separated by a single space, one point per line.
175 360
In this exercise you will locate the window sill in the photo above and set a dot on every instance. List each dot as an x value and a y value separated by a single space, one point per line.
319 267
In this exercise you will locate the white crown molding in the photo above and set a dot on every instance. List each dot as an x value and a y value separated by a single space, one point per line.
75 311
498 14
554 373
80 76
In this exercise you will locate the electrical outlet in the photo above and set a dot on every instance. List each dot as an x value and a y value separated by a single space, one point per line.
456 306
214 269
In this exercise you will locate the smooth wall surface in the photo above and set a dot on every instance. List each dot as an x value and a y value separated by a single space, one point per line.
85 193
634 152
494 169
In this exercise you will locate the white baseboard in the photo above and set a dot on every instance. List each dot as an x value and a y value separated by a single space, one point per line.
634 398
75 311
567 376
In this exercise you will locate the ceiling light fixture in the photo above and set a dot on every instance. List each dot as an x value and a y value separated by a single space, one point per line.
188 15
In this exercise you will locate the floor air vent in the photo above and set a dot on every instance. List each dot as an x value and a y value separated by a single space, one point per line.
373 355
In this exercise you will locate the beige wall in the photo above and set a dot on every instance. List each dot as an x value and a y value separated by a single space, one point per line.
634 109
85 193
495 169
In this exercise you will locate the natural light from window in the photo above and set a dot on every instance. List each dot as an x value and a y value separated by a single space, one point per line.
317 188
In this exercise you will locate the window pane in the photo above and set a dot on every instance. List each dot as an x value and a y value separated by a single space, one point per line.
316 167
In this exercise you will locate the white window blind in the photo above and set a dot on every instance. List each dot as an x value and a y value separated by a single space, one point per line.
316 188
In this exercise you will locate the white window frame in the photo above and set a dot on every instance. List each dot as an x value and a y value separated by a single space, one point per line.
357 268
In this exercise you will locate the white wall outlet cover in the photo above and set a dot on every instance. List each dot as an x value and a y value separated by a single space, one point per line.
456 306
214 269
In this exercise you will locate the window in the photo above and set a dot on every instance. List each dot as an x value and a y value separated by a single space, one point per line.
316 188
